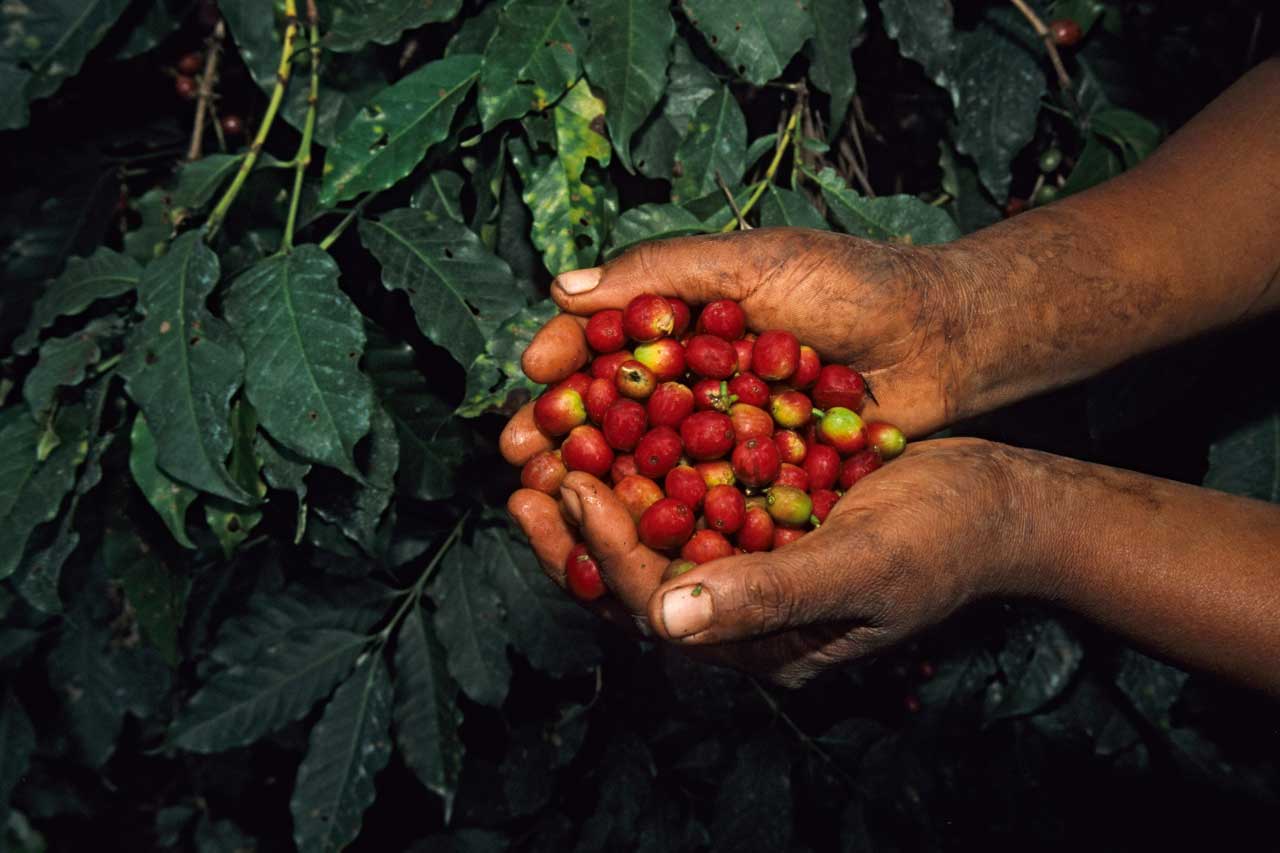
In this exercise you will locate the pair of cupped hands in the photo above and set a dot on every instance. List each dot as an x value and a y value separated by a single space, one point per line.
906 547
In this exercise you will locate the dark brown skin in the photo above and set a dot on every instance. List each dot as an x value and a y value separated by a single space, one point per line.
1186 243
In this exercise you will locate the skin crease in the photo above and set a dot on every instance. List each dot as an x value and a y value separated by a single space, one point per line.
1183 244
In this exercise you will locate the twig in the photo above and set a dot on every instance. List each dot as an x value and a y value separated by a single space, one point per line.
743 225
346 221
283 70
784 140
213 49
1064 80
414 593
303 158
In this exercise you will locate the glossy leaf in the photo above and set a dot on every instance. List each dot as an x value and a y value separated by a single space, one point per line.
652 222
1039 659
531 60
751 36
32 490
440 196
837 29
446 272
469 622
303 338
1098 162
167 497
102 275
354 24
199 182
1136 136
784 207
393 132
898 218
716 142
495 380
627 63
924 32
349 746
64 362
689 83
426 712
358 507
182 365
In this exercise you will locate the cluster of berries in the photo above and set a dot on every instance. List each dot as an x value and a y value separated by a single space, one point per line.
716 441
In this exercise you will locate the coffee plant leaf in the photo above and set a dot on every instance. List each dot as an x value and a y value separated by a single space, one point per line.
716 144
470 622
898 218
354 24
426 716
750 36
532 59
1246 461
837 28
780 206
105 274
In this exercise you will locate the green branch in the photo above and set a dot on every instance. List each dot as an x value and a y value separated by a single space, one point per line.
414 593
787 136
303 158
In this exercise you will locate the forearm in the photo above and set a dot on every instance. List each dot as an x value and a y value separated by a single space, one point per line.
1187 242
1189 573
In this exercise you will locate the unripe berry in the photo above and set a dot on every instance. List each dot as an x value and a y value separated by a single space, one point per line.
648 318
843 430
676 568
717 473
623 424
886 439
789 506
724 319
791 409
657 452
725 509
1050 160
705 546
791 447
637 494
582 574
544 472
776 355
666 525
664 357
586 450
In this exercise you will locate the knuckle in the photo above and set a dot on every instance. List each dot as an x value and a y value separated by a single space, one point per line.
768 600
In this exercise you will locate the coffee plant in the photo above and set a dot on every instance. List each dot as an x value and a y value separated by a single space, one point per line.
268 272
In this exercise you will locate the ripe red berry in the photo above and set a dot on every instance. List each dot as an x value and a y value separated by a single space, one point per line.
658 452
711 357
669 404
791 447
579 382
601 394
717 473
755 462
544 472
843 430
680 312
791 409
757 529
707 435
666 525
678 567
786 535
606 366
232 125
1065 32
665 357
1014 206
634 380
858 466
776 355
807 369
724 319
191 63
712 394
789 506
750 389
637 494
604 331
586 450
623 424
185 87
744 348
823 501
822 464
750 422
685 485
839 385
886 439
911 703
559 410
624 465
582 574
792 475
724 508
648 318
705 546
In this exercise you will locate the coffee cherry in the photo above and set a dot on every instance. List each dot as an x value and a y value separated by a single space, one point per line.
807 369
580 382
705 546
601 394
707 435
544 472
1014 206
776 355
822 464
791 447
185 87
666 525
858 466
724 319
750 389
1045 194
191 63
756 462
792 475
757 530
586 450
665 357
744 347
669 404
676 568
604 331
559 410
789 506
232 125
712 394
785 536
606 366
711 357
839 385
911 703
717 473
685 485
634 380
823 501
1065 32
680 316
657 452
582 574
648 318
623 424
791 409
1050 160
750 422
886 439
724 508
843 430
624 465
637 494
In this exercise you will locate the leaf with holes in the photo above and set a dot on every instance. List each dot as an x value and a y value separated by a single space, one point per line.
232 522
531 60
751 36
716 143
392 133
495 380
103 275
459 290
303 337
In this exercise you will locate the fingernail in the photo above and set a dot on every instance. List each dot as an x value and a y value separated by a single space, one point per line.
579 281
572 505
687 610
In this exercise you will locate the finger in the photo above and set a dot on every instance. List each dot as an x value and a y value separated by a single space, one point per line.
521 439
756 595
696 269
557 350
631 570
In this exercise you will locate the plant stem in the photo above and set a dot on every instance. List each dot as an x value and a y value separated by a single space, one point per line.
787 135
1064 80
273 107
412 595
213 49
346 221
303 158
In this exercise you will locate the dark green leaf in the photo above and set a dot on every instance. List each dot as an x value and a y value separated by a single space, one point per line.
157 592
924 32
303 338
64 363
531 60
969 204
232 522
391 135
1151 686
354 24
31 491
358 507
897 218
17 743
716 143
280 685
1039 659
689 83
627 63
476 30
779 207
1247 461
495 380
198 182
837 28
161 19
156 228
1136 136
546 626
440 196
349 745
182 365
753 803
221 836
1098 162
446 272
469 622
627 774
426 708
15 111
167 497
751 36
652 222
102 275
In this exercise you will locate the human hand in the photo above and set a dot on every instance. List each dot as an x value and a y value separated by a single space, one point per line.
909 544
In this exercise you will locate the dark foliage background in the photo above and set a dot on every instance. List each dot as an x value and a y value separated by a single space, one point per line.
258 591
